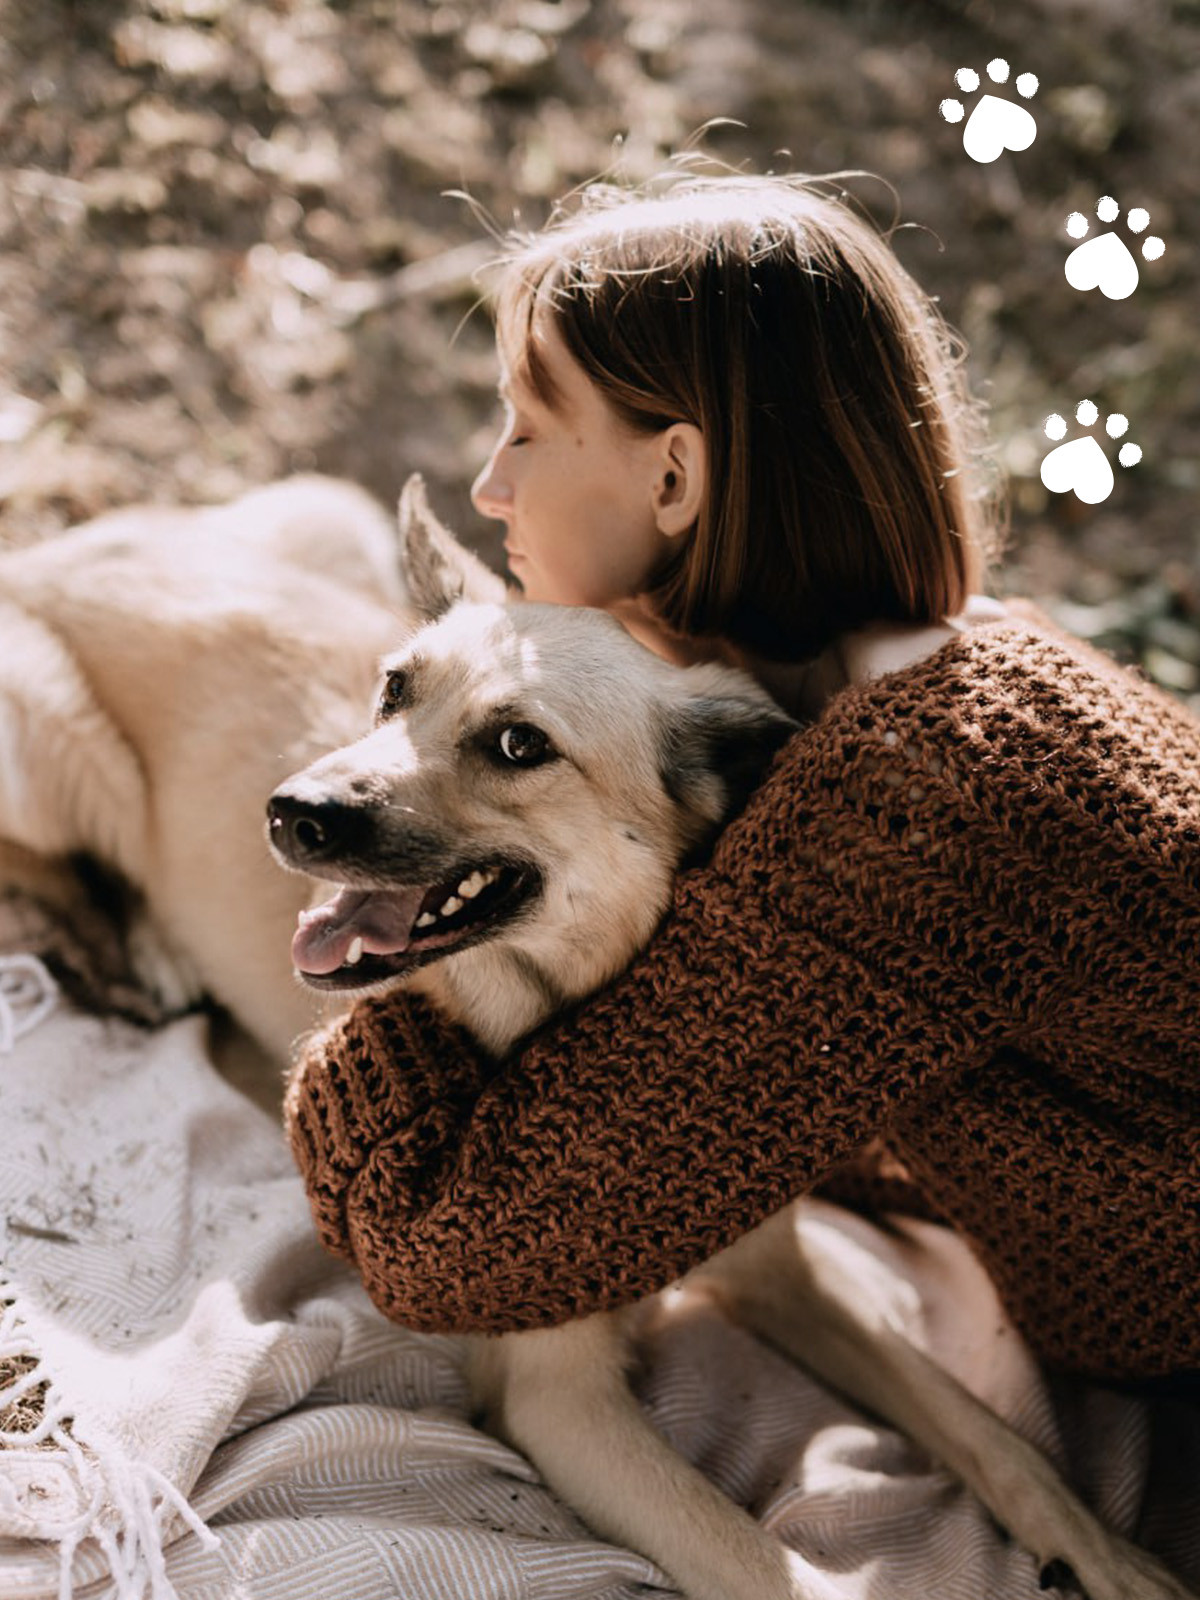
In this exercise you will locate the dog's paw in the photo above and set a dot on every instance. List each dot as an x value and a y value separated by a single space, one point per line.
84 953
163 973
94 935
1115 1570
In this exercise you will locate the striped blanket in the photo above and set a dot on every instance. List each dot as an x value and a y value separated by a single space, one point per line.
196 1403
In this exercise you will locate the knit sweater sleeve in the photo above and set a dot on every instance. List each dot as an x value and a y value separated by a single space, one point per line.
803 988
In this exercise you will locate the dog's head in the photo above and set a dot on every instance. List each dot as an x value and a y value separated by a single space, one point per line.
533 780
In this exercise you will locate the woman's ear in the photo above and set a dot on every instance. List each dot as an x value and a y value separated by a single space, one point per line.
681 478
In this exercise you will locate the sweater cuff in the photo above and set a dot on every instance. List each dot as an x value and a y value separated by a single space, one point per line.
386 1069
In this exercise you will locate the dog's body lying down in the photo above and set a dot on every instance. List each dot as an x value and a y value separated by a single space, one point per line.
531 785
160 672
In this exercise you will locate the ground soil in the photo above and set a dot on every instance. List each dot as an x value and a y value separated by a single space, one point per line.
237 237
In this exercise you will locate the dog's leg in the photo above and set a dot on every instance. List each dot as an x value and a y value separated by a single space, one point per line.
791 1283
69 778
562 1397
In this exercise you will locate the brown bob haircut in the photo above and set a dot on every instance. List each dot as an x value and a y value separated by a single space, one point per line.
839 436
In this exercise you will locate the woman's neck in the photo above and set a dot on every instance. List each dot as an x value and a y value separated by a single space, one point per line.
682 651
801 689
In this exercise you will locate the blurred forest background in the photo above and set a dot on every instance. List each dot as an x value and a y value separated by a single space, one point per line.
233 242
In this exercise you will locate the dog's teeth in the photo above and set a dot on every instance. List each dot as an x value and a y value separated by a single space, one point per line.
471 886
354 954
451 906
426 919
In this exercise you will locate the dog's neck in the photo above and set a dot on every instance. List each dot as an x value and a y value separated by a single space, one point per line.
498 994
502 990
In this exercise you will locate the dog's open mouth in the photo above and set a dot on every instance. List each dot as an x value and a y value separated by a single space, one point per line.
364 936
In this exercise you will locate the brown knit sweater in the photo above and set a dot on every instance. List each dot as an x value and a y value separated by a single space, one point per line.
961 916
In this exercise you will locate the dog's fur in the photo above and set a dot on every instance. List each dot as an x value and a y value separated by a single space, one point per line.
163 672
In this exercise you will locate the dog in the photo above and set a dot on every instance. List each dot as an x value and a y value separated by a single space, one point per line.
505 837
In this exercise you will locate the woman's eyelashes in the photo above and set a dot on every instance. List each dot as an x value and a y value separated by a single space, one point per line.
518 429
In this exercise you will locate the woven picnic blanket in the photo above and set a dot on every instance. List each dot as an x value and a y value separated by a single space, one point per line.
195 1402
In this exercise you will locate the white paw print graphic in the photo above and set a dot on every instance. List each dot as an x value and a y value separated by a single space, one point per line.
1081 464
995 125
1105 261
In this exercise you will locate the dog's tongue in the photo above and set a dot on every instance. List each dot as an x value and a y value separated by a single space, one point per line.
381 918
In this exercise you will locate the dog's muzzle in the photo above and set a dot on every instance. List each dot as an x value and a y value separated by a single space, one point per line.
406 899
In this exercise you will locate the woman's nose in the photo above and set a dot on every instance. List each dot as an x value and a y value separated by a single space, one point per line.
491 494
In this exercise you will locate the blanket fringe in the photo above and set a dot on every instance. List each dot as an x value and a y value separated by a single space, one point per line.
28 994
124 1506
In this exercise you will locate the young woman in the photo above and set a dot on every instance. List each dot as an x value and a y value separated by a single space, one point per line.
949 953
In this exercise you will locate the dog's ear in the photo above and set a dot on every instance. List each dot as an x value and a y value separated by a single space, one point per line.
716 746
437 569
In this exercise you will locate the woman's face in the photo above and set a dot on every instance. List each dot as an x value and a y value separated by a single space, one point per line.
574 488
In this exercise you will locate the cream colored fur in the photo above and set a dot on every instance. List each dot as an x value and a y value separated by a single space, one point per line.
163 672
160 672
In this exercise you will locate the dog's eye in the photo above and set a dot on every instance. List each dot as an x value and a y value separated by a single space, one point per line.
523 745
394 695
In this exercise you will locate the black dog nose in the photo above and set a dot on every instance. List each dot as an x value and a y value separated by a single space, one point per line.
311 830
